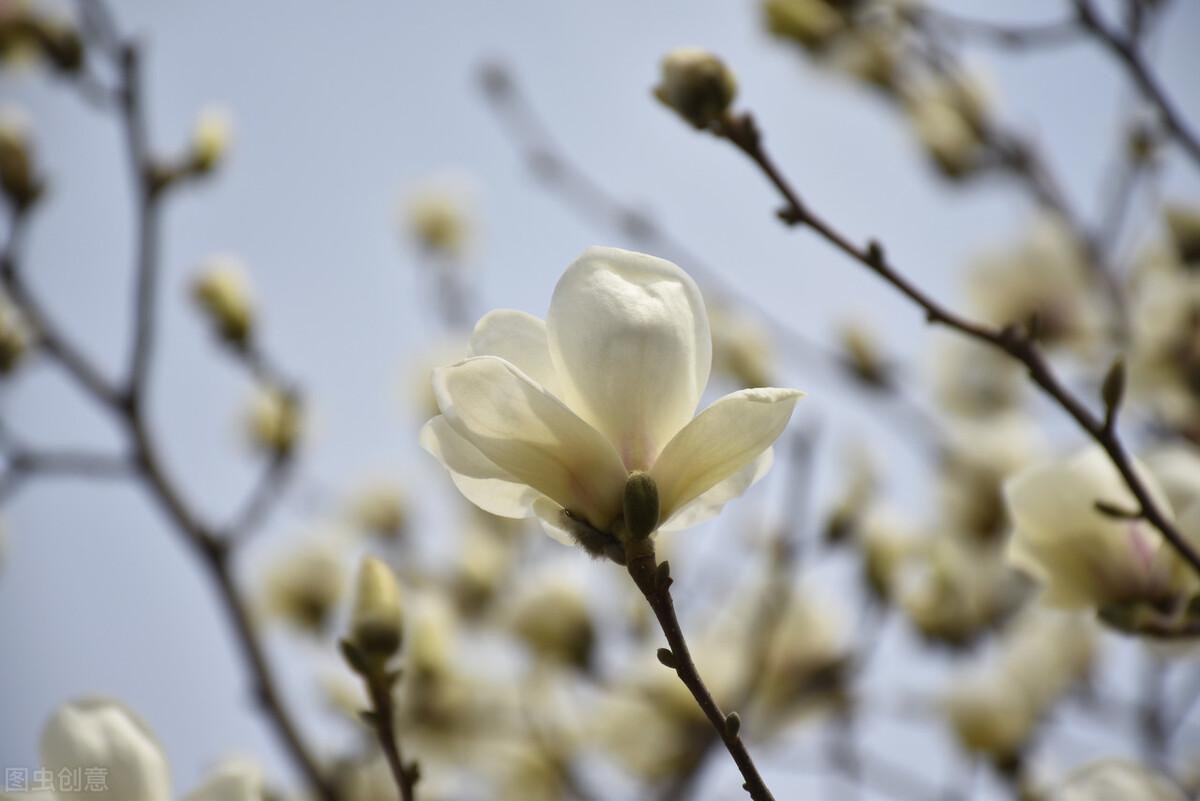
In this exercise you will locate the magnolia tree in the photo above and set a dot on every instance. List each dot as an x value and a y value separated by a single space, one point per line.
485 670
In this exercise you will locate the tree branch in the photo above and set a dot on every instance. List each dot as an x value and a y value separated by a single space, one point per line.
742 132
1126 50
654 582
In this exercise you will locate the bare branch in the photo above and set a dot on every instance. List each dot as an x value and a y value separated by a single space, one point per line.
742 132
1127 51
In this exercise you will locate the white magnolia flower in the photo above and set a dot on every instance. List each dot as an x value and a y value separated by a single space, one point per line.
1083 556
550 418
234 779
118 758
1116 779
103 734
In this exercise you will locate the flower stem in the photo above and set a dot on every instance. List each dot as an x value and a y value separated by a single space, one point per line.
654 581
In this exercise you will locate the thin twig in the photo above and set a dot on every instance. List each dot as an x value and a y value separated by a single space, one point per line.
48 338
742 132
382 721
147 193
1015 36
1126 49
782 553
654 582
126 405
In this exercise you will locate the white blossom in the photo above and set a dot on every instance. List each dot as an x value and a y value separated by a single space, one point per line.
555 415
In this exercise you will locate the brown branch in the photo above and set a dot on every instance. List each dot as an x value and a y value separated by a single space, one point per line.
1015 36
654 582
147 190
126 405
381 718
782 553
1126 50
48 338
742 132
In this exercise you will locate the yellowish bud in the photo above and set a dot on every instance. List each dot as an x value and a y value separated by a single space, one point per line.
382 511
810 23
377 624
211 138
1183 223
18 178
222 291
696 84
275 421
14 337
437 217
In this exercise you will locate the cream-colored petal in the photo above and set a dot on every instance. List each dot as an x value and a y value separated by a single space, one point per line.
1061 495
550 515
1081 556
231 780
477 477
532 436
720 441
519 339
104 734
710 504
630 343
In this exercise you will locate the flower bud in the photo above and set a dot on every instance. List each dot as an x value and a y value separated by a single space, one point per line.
437 217
1183 223
862 355
1082 556
1116 778
222 291
18 178
14 337
210 139
275 421
304 588
381 511
553 621
697 85
61 44
641 505
104 734
811 23
377 624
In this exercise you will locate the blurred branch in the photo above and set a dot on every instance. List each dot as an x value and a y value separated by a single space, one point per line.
48 338
127 402
382 720
1124 46
1015 36
742 132
781 556
654 582
147 191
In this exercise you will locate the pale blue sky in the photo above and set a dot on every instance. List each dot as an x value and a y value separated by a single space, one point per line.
338 110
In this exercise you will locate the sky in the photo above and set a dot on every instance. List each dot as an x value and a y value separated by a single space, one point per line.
338 115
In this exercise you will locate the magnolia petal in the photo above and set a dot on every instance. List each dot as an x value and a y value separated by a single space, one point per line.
532 436
550 515
1062 495
519 339
719 442
711 503
1081 556
630 342
231 780
97 733
477 477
